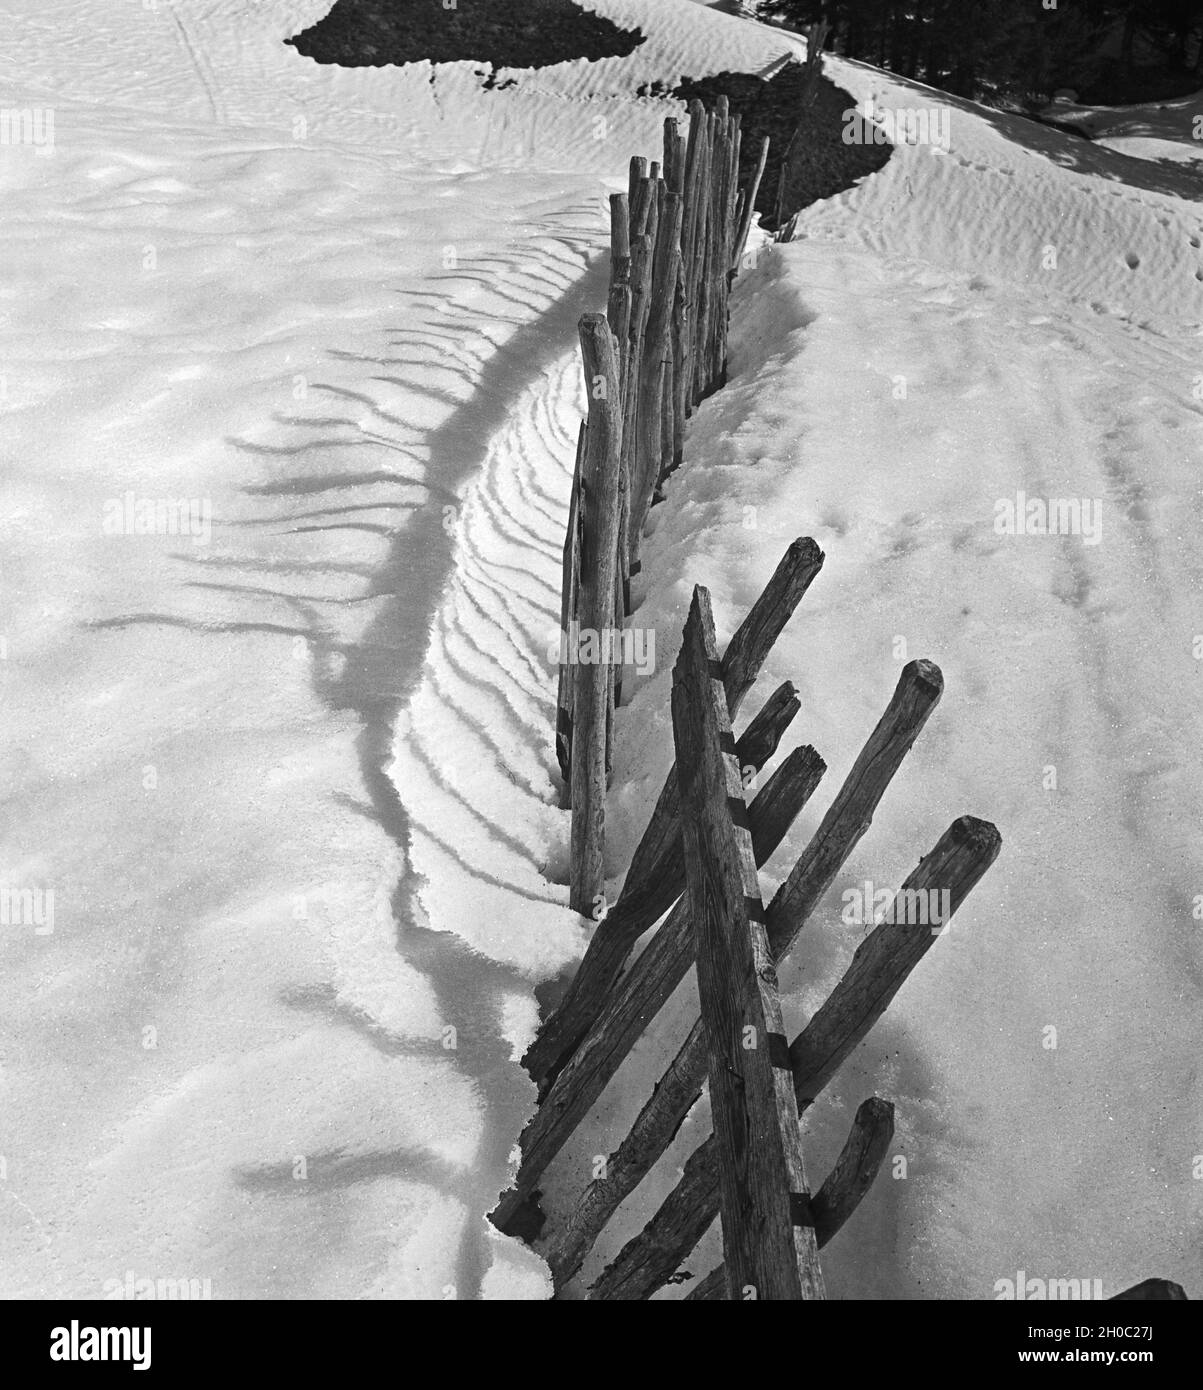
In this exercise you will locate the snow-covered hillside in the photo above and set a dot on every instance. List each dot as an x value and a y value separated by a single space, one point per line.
1170 130
291 778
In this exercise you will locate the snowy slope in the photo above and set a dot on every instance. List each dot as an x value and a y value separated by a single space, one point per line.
1170 130
315 305
292 784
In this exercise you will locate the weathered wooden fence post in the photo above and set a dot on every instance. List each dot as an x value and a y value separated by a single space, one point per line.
690 236
657 358
618 313
768 1228
598 560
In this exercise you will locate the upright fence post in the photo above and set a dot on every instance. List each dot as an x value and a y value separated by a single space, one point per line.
644 226
569 597
598 561
690 232
702 255
725 269
618 312
657 354
768 1228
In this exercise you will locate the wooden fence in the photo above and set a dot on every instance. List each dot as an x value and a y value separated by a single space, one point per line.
677 239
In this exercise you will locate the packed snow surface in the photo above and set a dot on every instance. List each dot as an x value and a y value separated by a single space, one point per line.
289 774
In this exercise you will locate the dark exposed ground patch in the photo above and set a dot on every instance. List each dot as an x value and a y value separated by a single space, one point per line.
504 33
821 164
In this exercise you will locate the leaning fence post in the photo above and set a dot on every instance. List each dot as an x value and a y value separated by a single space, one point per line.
645 455
768 1228
595 607
749 206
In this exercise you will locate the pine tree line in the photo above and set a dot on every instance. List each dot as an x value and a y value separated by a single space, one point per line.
1019 50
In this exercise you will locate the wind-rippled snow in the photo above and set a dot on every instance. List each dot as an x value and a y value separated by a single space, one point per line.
294 788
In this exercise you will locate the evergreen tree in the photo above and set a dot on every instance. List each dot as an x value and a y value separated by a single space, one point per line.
1013 49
